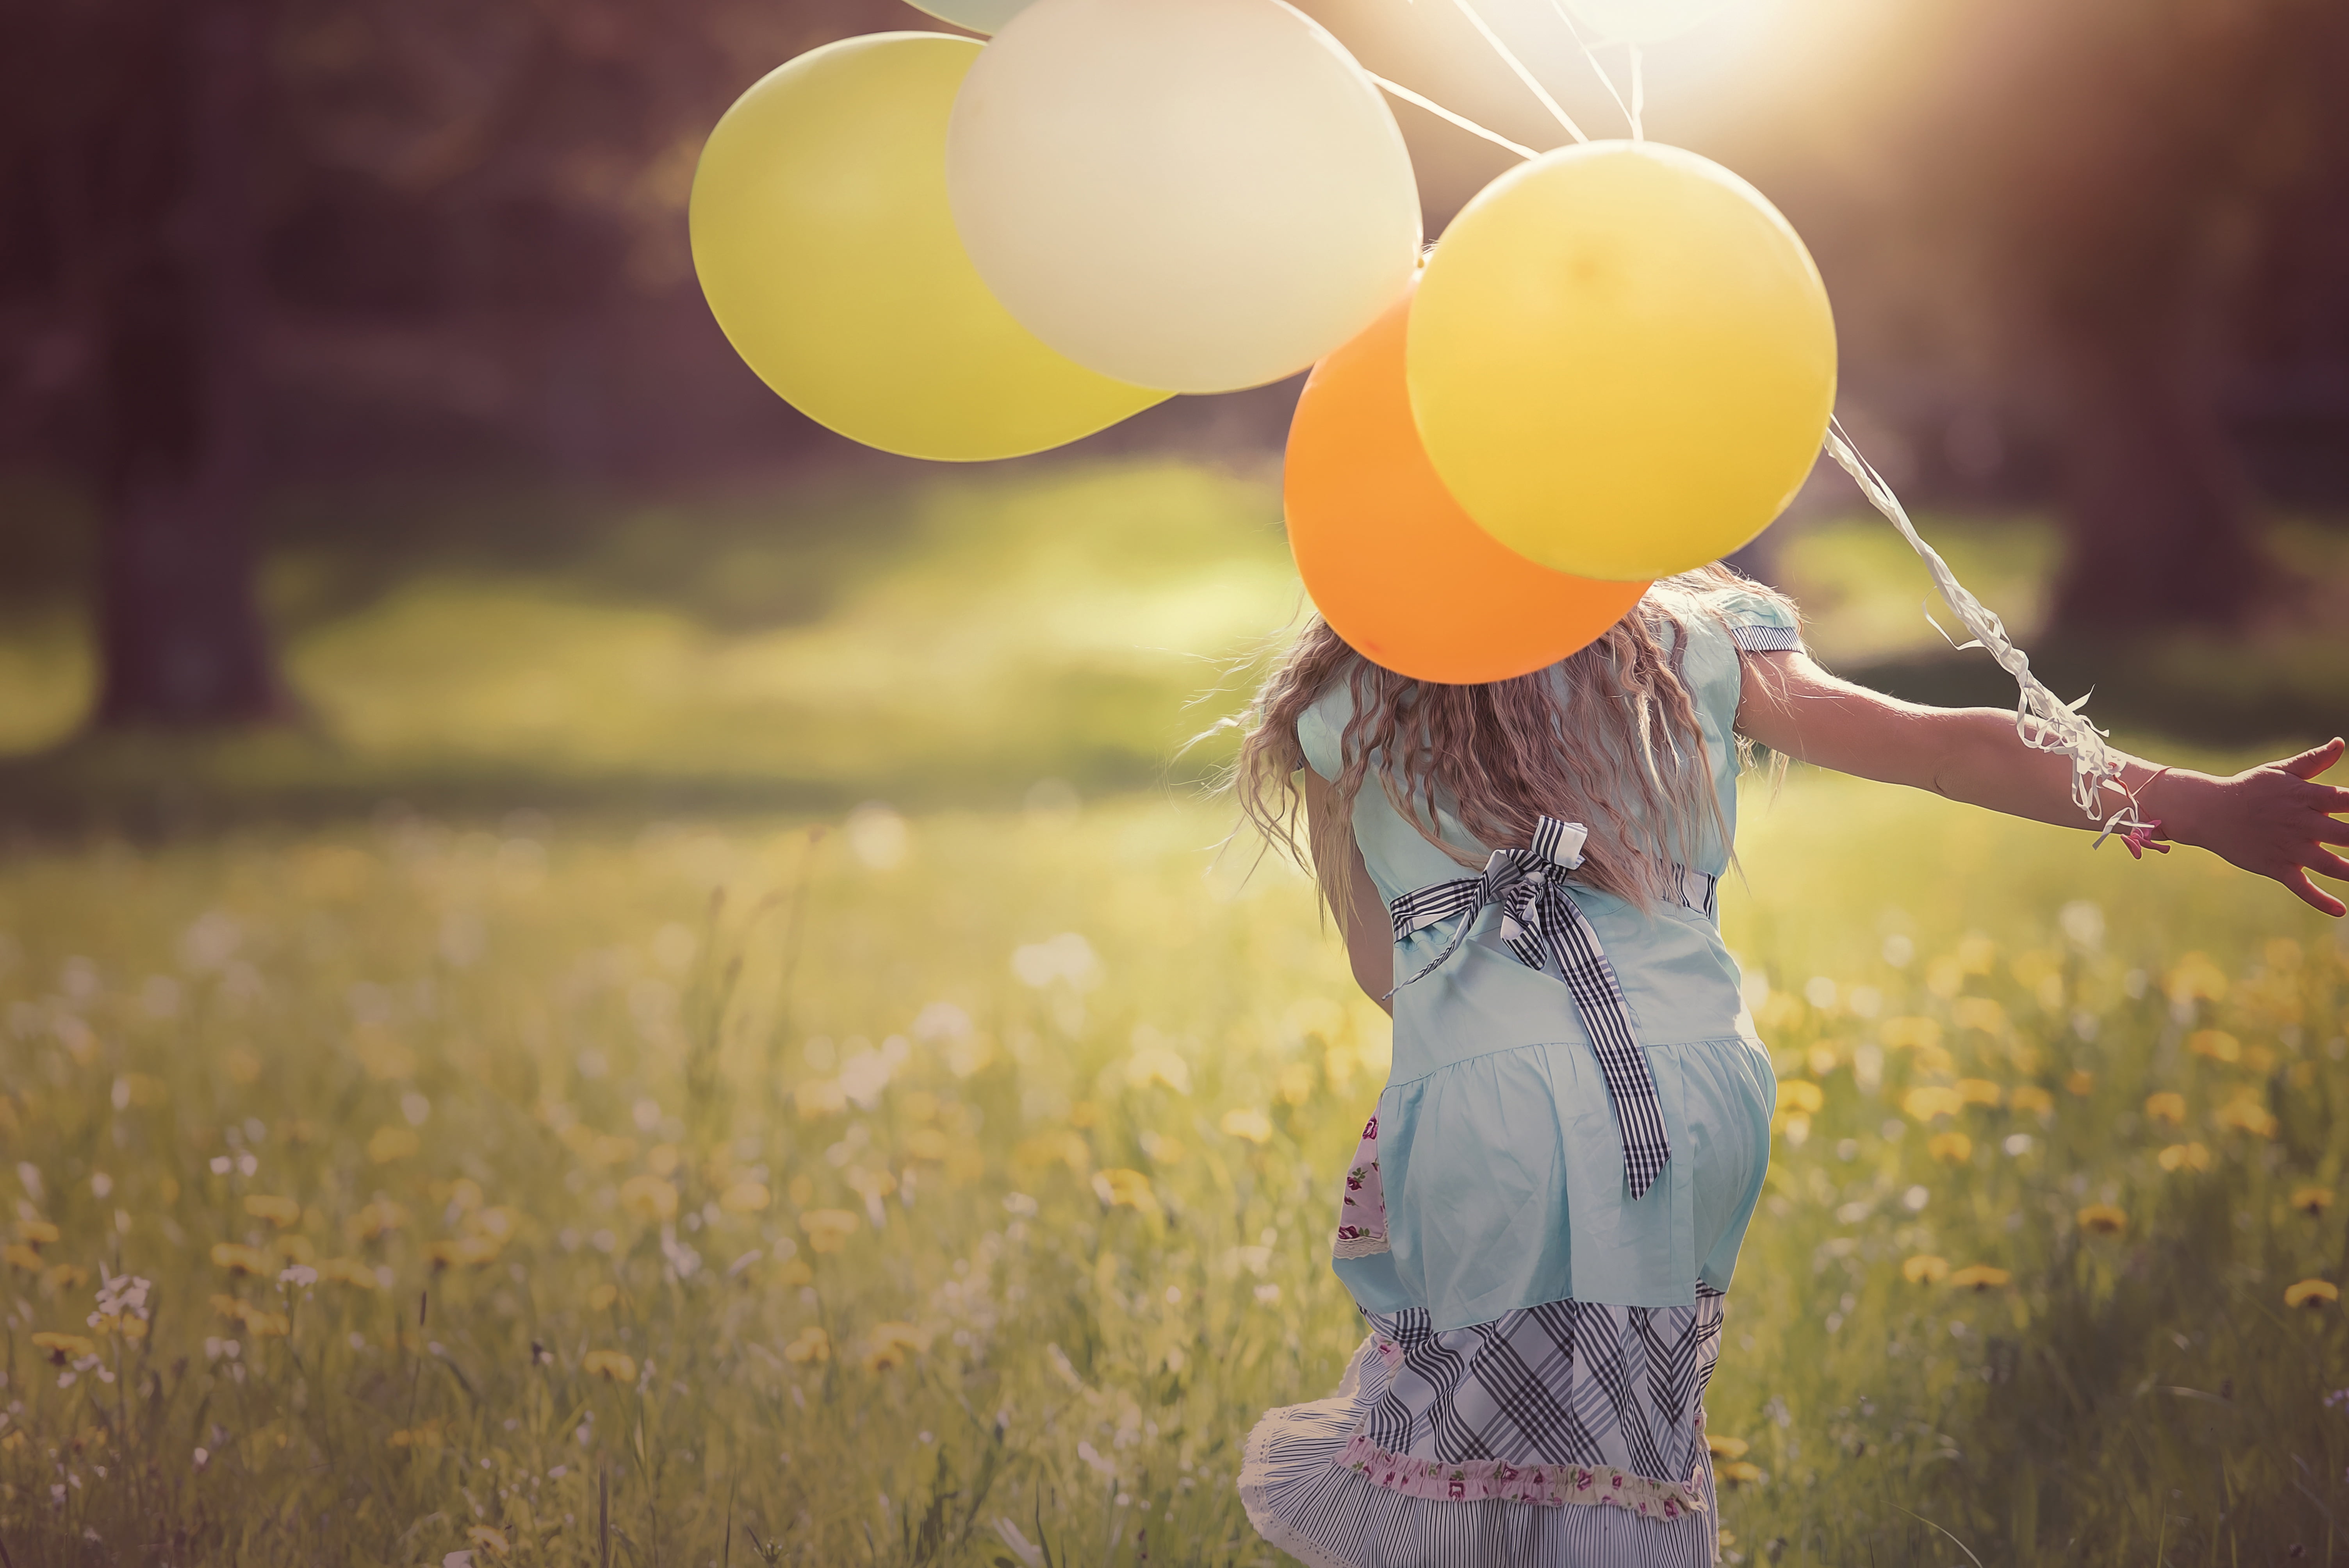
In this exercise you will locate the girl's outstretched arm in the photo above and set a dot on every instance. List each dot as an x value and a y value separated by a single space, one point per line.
2273 820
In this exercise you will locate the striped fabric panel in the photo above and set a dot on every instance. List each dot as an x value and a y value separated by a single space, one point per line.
1303 1499
1759 639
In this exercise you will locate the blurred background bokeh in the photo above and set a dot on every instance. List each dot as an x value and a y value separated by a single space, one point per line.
362 430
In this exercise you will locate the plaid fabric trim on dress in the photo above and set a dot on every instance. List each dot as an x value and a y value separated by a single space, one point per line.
1539 919
1613 1389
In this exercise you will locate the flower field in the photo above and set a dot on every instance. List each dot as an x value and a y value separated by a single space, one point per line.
955 1189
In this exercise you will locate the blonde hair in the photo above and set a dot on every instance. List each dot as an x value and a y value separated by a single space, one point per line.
1607 736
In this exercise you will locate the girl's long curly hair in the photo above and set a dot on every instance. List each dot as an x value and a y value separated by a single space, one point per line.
1607 736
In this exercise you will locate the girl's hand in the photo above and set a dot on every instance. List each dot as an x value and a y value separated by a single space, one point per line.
2272 820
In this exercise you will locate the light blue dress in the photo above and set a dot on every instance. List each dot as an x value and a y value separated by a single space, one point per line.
1539 1337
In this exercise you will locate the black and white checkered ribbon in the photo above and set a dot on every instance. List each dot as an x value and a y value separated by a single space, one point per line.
1538 918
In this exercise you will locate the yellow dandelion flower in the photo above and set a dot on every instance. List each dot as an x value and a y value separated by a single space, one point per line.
1982 1013
2080 1082
238 1258
927 1143
600 1296
2166 1105
1124 1189
38 1233
279 1212
1054 1145
1244 1121
663 1159
870 1185
427 1436
2311 1293
1927 1101
63 1276
2311 1201
828 1230
1800 1096
61 1348
2216 1044
1725 1447
651 1199
267 1325
745 1198
1908 1034
616 1365
490 1538
375 1219
2102 1219
2030 1099
17 1256
499 1224
811 1344
1955 1147
2245 1113
1739 1472
2196 978
893 1344
348 1271
296 1249
1925 1269
793 1272
228 1307
464 1252
1980 1276
1979 1091
2185 1157
388 1144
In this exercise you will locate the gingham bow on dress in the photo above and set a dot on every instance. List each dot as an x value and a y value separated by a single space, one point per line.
1539 919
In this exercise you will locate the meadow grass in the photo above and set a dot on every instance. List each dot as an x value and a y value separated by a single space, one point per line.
954 1189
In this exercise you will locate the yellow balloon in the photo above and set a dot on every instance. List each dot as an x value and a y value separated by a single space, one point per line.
1621 360
827 252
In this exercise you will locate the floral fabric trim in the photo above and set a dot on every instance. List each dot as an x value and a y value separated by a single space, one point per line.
1363 1208
1555 1486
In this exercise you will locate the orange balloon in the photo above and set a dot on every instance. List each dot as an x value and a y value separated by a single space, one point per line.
1393 564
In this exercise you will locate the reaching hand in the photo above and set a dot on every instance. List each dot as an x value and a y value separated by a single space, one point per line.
2272 820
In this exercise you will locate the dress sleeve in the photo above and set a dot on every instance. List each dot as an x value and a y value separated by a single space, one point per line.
1319 740
1758 624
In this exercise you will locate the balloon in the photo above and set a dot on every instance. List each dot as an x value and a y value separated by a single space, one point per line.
978 16
826 251
1622 360
1393 564
1195 194
1641 21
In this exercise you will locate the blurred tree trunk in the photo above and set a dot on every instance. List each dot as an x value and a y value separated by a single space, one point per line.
2157 513
173 250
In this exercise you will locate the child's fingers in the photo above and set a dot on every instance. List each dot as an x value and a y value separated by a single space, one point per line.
2319 859
2309 894
2314 760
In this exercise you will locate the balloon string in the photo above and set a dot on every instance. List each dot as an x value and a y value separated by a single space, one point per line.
2044 721
1639 93
1523 75
1631 111
1461 120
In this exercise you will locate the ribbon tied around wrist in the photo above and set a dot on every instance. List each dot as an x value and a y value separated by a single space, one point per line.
1541 921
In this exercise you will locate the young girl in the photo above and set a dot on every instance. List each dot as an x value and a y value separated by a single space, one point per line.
1545 1210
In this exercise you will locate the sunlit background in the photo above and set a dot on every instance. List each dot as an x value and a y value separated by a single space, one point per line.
708 940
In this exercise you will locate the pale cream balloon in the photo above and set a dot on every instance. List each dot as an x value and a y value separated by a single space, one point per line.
1198 195
1641 21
